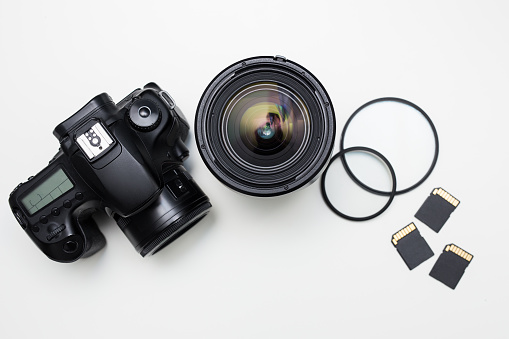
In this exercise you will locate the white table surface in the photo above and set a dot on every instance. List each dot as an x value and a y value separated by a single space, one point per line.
264 268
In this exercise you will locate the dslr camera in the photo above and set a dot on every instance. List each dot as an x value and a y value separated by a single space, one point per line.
126 159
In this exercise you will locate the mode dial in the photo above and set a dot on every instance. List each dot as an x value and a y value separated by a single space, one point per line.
144 115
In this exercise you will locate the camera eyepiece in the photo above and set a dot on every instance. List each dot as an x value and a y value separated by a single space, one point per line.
265 126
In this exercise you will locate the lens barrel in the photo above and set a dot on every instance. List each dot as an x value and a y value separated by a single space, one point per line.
179 207
265 126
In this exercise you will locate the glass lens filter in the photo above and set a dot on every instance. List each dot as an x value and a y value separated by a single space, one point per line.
265 126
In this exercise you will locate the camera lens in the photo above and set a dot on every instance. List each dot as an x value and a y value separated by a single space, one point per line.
179 207
265 126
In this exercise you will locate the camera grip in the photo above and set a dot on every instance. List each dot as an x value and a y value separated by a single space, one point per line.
81 238
94 239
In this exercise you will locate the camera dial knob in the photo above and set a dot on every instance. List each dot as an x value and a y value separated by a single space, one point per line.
144 115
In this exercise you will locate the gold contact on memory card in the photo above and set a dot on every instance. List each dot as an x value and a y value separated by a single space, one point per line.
458 251
411 246
451 265
449 198
403 232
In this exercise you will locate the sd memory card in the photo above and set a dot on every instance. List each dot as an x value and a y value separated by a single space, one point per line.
437 208
451 265
411 246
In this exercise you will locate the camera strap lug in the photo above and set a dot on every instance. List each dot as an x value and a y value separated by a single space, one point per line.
166 97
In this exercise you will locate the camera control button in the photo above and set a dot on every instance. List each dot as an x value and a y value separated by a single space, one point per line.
35 229
168 99
70 246
55 211
43 219
144 115
79 196
67 204
177 188
20 218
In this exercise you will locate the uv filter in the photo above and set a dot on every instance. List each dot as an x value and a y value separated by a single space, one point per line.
350 201
402 132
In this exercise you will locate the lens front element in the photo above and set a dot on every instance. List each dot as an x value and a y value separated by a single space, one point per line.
265 126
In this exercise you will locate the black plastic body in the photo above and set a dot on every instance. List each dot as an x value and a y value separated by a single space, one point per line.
129 178
434 212
278 181
414 249
179 206
449 268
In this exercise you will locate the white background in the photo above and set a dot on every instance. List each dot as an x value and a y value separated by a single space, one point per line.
264 268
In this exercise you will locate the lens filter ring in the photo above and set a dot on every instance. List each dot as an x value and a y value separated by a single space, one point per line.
341 155
357 180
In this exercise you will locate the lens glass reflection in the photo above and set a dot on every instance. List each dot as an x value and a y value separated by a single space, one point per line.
265 126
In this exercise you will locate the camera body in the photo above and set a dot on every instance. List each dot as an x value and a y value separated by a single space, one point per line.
125 158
